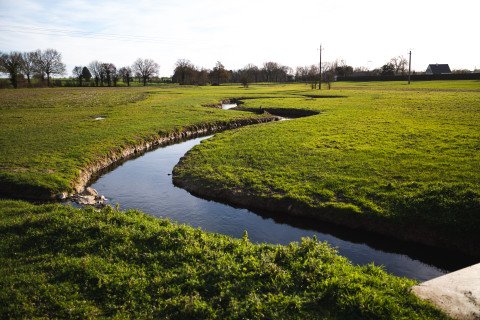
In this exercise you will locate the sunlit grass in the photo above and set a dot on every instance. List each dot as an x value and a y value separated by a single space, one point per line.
61 262
409 157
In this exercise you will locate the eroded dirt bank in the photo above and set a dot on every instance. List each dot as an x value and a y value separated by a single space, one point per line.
411 232
38 193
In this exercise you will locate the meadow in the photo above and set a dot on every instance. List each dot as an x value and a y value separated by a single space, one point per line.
48 135
404 161
60 262
406 155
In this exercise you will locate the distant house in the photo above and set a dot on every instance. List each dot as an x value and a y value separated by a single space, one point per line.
438 69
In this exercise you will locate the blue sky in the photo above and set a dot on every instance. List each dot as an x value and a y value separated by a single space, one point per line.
363 33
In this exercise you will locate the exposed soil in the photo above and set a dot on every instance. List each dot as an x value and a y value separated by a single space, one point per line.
29 192
405 231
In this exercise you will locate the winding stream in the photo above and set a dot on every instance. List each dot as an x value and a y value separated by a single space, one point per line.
145 183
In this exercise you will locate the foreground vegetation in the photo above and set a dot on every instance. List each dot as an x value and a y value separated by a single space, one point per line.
405 156
61 262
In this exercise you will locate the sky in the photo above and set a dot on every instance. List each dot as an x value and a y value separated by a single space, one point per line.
364 33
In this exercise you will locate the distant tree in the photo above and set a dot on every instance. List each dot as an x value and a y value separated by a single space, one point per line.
301 74
108 73
184 72
77 74
376 71
126 74
274 72
329 74
50 63
388 69
95 68
30 64
313 75
201 77
400 64
269 69
342 69
12 63
218 74
86 75
244 80
253 72
145 68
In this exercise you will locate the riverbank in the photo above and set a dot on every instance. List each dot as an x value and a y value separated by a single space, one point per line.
392 162
60 262
54 140
399 230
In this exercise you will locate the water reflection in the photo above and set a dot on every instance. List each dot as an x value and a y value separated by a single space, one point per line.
145 183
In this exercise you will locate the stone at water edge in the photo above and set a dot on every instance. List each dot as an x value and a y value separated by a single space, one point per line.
89 191
456 293
86 200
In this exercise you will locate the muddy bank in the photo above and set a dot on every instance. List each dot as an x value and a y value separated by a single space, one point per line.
38 193
404 231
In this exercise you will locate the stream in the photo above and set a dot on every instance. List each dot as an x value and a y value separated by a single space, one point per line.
145 183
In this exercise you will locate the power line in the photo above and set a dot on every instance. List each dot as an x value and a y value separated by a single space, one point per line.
90 35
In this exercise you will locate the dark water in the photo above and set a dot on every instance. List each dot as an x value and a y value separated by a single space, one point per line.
145 183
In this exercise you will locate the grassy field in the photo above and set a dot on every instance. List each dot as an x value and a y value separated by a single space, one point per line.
404 155
61 262
375 149
48 135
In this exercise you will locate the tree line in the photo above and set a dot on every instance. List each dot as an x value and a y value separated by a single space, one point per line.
40 64
186 73
43 65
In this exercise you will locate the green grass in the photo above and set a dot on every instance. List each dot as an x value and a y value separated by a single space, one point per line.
409 157
61 262
381 149
48 135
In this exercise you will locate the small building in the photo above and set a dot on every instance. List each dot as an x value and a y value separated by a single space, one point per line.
438 69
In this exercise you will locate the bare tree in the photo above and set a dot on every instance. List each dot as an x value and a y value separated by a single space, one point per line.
30 64
12 63
126 74
248 74
145 68
253 73
301 74
329 73
109 74
270 68
218 74
201 77
50 63
95 68
275 72
77 74
184 72
313 75
400 64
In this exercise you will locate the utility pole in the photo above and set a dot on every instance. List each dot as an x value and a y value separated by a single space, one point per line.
320 69
409 65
